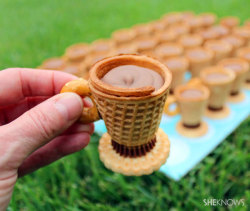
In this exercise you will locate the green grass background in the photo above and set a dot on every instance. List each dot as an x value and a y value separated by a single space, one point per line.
33 30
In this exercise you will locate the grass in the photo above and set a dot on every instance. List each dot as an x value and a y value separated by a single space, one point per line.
32 31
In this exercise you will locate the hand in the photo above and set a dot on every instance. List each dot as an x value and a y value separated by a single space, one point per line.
37 126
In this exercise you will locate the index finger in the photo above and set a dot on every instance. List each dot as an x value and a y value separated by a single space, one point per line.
18 83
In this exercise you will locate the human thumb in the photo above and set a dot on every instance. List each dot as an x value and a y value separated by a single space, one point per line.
38 126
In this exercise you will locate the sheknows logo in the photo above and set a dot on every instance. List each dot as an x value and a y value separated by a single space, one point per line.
224 202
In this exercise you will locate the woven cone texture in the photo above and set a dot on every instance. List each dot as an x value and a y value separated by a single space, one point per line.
132 116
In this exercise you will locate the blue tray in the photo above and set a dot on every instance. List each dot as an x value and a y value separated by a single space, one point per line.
185 153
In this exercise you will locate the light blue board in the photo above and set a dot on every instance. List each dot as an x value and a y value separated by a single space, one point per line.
185 153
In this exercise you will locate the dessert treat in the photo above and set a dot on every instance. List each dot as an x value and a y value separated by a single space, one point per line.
178 66
247 23
198 59
190 41
240 67
102 46
186 15
142 30
244 53
158 26
124 49
56 63
123 36
167 36
230 22
191 102
208 19
195 23
219 81
146 45
133 76
130 166
180 29
83 71
220 48
133 145
93 58
236 42
220 30
172 18
168 50
208 34
244 33
72 68
76 53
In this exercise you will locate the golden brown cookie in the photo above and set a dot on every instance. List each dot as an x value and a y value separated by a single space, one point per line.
138 166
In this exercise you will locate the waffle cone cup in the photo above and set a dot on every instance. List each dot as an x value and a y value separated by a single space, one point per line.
192 110
219 89
241 74
132 116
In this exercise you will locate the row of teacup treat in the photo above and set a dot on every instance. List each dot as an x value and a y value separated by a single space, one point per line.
181 40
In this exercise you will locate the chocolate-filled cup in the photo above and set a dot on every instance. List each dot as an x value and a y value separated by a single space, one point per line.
240 67
208 34
220 30
55 63
195 23
76 53
178 66
220 48
146 45
180 29
168 50
142 30
123 36
198 59
244 33
191 102
219 80
244 53
236 42
189 41
102 46
172 18
167 36
208 19
230 22
131 115
158 26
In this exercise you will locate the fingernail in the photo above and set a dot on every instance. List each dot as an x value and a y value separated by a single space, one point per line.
69 105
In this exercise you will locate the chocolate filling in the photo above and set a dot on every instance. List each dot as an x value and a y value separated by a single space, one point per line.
192 126
234 93
215 109
133 151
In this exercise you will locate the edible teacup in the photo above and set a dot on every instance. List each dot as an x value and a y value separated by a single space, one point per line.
191 101
198 59
178 66
240 67
220 48
244 53
219 80
131 107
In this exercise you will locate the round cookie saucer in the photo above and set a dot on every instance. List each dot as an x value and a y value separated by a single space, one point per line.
192 132
220 114
138 166
236 98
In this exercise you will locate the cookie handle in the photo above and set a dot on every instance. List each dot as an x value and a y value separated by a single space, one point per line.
81 87
171 100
